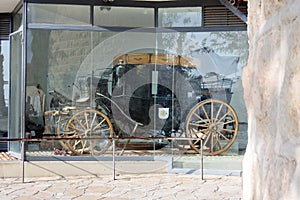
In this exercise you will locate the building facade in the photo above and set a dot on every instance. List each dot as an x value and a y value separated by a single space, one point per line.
84 72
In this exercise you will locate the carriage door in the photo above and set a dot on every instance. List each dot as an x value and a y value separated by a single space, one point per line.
162 90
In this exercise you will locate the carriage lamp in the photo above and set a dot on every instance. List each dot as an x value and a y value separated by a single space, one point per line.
120 68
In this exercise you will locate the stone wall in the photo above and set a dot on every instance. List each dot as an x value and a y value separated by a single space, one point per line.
272 94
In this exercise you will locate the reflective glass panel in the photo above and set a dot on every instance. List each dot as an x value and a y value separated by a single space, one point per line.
123 16
4 62
17 20
180 17
15 91
60 66
4 91
59 14
137 83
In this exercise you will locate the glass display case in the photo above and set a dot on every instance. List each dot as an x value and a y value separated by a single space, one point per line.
143 76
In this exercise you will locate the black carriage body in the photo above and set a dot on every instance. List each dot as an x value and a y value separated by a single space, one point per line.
158 95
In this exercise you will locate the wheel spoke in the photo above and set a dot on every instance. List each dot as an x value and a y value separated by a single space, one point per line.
229 122
223 116
198 125
219 143
205 113
228 130
77 129
94 118
80 123
196 141
207 139
199 117
223 136
218 113
86 124
212 112
84 144
199 133
76 143
212 143
92 147
103 130
99 124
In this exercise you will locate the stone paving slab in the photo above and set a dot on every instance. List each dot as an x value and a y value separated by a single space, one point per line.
125 187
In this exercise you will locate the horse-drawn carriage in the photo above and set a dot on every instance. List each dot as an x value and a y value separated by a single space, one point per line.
148 95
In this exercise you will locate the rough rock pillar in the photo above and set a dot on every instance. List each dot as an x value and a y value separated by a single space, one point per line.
271 80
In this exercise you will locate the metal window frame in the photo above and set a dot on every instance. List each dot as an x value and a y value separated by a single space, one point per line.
138 3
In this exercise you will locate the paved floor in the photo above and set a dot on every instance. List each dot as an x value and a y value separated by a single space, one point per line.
133 186
129 186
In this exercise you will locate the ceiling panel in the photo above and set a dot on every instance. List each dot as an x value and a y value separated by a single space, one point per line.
7 6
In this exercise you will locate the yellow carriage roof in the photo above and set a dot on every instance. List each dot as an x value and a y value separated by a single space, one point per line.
151 58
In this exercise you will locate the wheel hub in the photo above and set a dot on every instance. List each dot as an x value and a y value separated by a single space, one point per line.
214 127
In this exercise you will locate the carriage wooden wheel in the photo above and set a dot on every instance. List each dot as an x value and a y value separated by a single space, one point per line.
213 121
88 124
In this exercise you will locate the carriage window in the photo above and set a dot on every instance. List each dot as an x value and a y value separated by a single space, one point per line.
179 17
124 16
